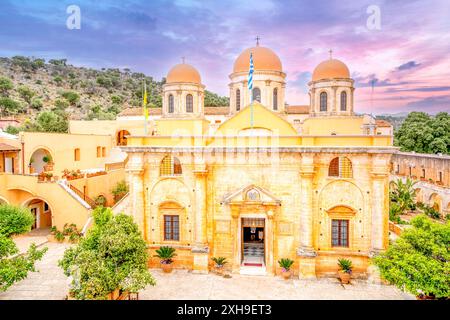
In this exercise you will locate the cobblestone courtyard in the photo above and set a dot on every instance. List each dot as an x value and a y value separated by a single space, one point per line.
50 283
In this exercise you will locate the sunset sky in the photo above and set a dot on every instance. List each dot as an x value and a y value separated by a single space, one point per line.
408 58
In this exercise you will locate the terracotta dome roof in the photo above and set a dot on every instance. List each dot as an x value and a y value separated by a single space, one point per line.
330 69
263 59
183 72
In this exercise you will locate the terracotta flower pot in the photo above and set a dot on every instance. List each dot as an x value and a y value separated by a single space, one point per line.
166 267
344 276
219 270
286 274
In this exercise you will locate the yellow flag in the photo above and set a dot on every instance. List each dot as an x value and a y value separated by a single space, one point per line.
145 103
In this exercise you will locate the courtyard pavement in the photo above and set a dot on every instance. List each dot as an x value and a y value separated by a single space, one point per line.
49 283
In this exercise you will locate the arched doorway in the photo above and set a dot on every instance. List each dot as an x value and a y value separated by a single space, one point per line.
122 137
41 211
41 160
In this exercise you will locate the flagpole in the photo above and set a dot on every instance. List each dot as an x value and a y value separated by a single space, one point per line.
144 102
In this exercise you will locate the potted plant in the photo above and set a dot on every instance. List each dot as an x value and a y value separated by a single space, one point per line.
345 270
49 176
166 254
219 263
48 163
41 176
285 264
59 236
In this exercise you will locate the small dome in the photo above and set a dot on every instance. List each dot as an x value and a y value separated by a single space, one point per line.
263 59
183 72
330 69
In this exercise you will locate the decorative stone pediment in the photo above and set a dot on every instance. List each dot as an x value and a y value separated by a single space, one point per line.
251 194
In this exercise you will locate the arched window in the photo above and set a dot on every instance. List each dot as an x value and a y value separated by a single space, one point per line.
238 100
256 94
275 99
189 103
171 104
323 101
340 167
170 166
343 101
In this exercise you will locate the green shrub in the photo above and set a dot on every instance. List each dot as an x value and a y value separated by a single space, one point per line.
113 255
15 220
59 236
419 259
120 190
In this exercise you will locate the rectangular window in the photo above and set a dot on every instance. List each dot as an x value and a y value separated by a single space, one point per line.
99 152
410 171
77 154
339 233
171 228
423 173
440 176
398 168
103 152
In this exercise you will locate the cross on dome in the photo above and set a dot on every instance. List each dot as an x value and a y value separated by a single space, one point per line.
183 60
331 54
257 40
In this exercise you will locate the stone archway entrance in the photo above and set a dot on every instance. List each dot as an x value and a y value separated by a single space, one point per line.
252 212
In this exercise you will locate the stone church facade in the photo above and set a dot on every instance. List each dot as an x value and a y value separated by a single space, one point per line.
261 190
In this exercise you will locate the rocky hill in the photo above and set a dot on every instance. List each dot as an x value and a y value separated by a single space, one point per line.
30 86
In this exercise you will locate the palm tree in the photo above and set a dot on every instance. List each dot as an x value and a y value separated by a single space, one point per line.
402 195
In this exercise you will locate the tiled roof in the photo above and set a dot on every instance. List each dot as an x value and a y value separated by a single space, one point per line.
7 147
383 123
297 109
223 110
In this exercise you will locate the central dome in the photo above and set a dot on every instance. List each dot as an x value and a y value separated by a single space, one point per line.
263 59
183 72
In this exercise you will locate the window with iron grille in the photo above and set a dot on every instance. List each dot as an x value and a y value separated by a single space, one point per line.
171 228
170 166
275 99
339 233
189 103
238 100
323 101
340 167
343 101
171 104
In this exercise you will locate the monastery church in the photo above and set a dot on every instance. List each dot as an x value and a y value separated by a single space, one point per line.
260 180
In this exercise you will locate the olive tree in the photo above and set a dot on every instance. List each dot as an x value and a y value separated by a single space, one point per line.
113 255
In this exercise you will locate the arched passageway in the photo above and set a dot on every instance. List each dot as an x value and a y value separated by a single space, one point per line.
41 211
40 161
122 137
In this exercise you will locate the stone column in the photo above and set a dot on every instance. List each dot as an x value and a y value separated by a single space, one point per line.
200 249
379 232
305 251
134 171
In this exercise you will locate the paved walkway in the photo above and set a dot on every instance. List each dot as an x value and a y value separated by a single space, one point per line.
50 283
182 284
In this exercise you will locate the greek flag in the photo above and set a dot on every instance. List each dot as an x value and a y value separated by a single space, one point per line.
250 88
250 73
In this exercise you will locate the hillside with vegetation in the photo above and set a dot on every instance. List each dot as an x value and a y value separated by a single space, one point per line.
45 95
